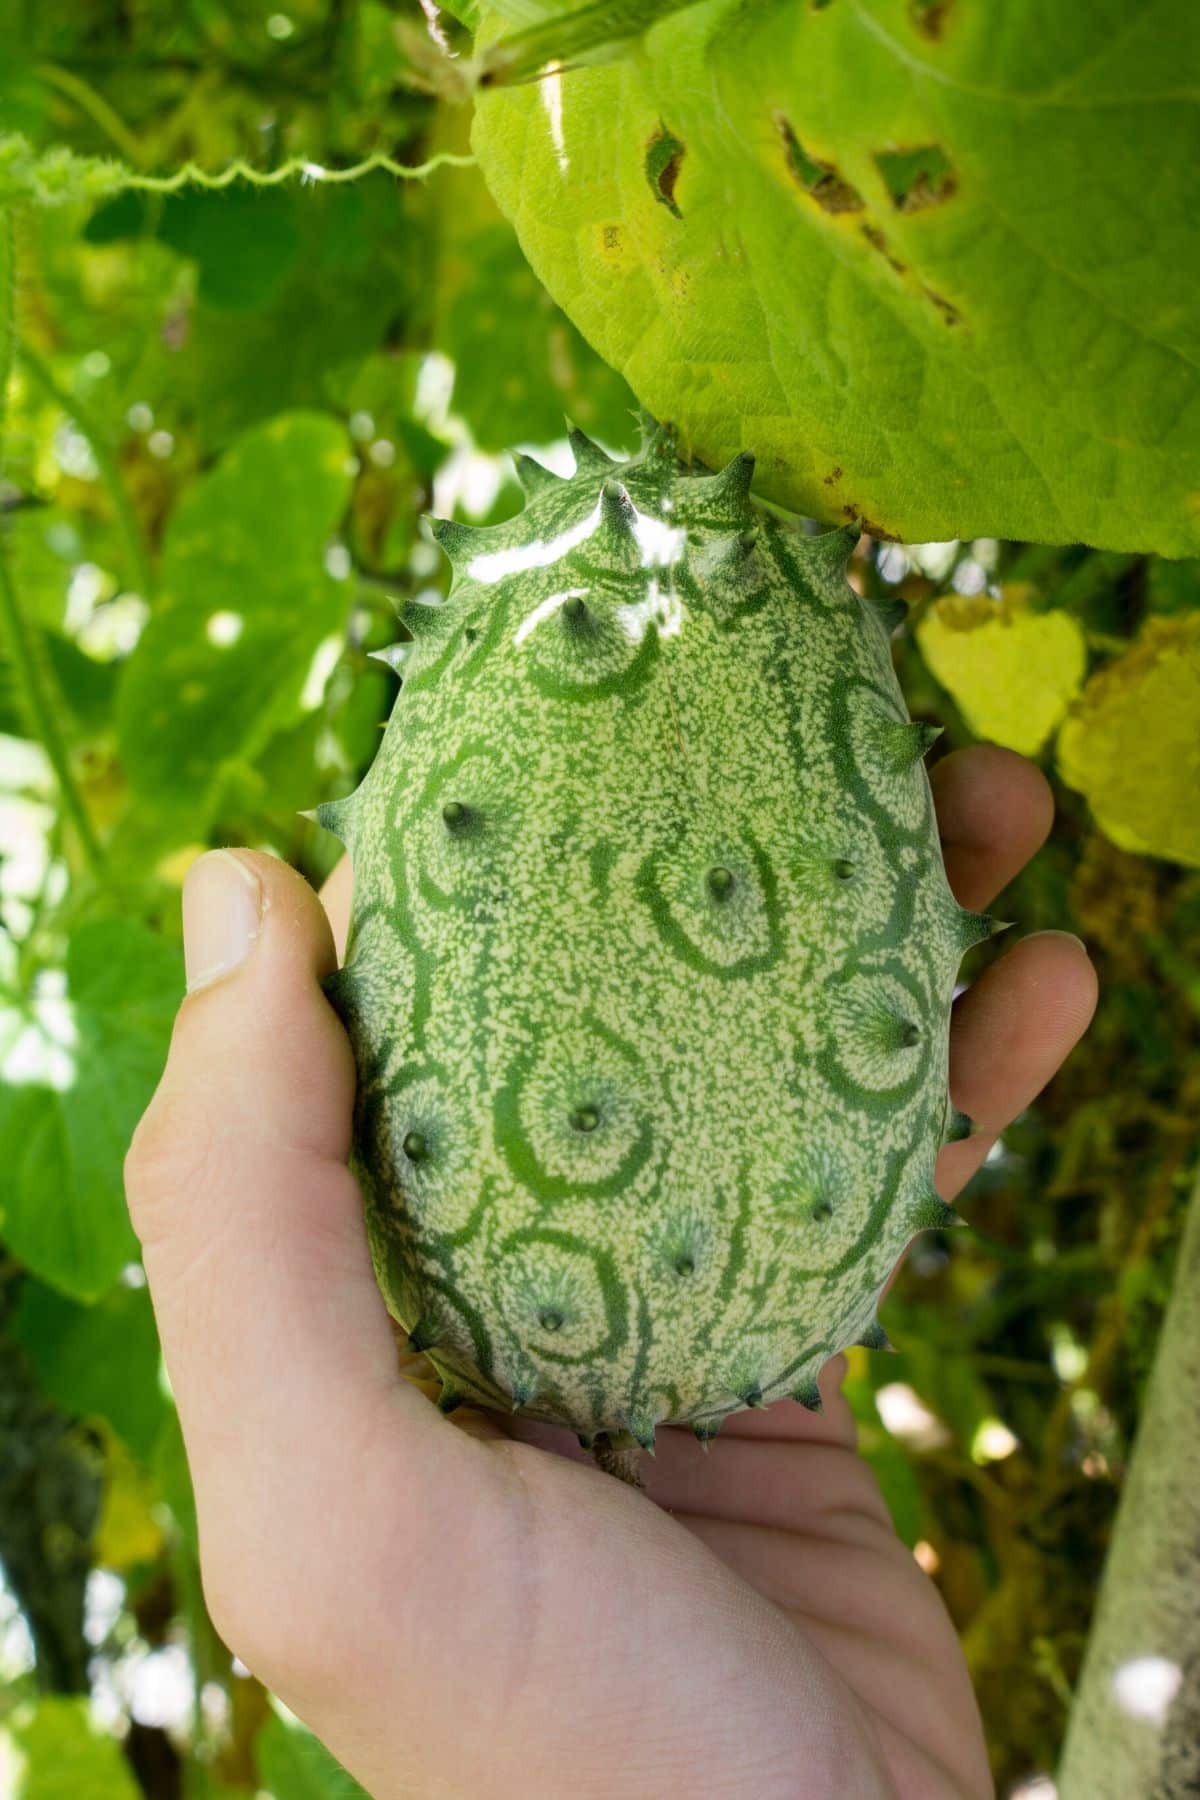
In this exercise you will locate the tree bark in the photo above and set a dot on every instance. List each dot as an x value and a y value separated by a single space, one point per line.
1134 1732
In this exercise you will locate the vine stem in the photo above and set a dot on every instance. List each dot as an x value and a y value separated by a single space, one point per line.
33 682
105 462
190 174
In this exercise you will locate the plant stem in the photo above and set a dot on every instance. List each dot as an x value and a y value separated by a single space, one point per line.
33 681
105 462
1135 1724
97 108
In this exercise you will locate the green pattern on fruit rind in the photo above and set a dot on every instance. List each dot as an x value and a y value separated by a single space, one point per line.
650 978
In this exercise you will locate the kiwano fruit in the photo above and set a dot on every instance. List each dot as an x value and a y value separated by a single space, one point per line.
651 961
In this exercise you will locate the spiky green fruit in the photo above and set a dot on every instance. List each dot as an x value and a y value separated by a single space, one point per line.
651 961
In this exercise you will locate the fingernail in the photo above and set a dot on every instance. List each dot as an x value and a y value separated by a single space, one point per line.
1070 937
222 913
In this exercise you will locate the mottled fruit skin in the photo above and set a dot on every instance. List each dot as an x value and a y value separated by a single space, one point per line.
652 958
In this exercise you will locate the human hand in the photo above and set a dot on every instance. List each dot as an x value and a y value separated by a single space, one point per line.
463 1611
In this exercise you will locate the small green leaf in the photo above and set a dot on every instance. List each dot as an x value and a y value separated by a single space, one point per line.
63 1213
62 1756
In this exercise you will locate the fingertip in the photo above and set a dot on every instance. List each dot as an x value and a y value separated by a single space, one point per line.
1015 1027
256 1028
995 810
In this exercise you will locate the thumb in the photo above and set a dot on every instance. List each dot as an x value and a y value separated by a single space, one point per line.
275 1336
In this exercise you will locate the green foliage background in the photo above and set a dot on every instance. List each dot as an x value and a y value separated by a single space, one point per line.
226 412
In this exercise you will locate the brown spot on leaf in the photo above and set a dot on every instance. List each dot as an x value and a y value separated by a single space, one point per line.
819 179
878 242
833 475
947 308
664 153
929 17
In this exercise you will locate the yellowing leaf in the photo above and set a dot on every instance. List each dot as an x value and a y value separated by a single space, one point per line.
1013 672
1132 743
128 1532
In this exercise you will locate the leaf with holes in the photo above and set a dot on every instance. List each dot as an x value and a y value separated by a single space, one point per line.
934 263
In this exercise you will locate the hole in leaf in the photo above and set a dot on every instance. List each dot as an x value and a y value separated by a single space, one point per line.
819 179
917 178
664 153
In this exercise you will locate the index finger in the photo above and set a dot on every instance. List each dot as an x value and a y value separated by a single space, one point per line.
994 811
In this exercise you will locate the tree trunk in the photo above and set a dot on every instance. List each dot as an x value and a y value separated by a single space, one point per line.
1135 1726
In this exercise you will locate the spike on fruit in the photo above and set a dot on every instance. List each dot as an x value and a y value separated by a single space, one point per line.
931 1213
393 657
589 457
534 476
976 928
809 1395
906 745
335 816
459 541
888 614
875 1337
957 1126
421 1336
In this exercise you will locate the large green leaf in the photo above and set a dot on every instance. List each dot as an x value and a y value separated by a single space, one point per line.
934 262
247 602
61 1756
63 1209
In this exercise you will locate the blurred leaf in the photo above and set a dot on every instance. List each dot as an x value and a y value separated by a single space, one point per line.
1132 742
891 1466
520 364
98 1361
64 1210
86 685
66 1758
360 265
245 242
294 1765
1174 587
247 601
54 177
128 1532
1011 671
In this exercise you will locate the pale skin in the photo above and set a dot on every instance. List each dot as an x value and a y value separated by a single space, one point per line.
465 1607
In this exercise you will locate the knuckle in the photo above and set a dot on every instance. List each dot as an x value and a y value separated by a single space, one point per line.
171 1153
